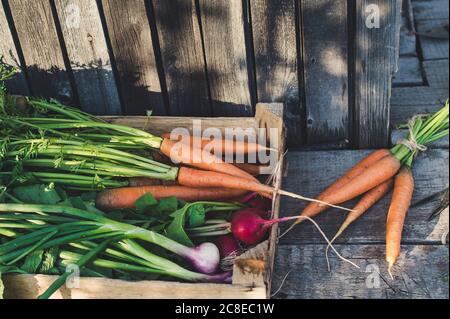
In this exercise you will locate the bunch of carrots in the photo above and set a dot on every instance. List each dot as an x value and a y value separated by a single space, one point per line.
384 169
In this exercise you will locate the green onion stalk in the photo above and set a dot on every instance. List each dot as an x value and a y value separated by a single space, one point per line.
423 130
87 226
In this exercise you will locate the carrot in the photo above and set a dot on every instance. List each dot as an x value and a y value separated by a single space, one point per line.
200 159
378 173
123 198
364 204
198 179
222 145
401 200
253 169
146 181
314 209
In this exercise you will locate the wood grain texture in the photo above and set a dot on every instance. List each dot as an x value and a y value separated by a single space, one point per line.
182 56
430 10
276 61
325 46
408 45
18 84
409 72
41 48
88 56
376 62
408 101
433 37
132 46
437 73
31 286
319 169
421 272
225 55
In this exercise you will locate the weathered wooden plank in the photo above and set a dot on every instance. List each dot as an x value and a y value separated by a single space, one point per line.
225 55
437 73
88 55
421 272
276 63
41 49
31 286
182 56
409 72
430 10
325 45
433 37
407 31
18 84
397 135
376 61
312 171
408 101
132 46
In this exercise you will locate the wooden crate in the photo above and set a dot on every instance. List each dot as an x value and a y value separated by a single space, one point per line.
214 58
248 281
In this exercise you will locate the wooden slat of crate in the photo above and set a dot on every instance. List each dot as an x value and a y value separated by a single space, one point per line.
31 286
248 281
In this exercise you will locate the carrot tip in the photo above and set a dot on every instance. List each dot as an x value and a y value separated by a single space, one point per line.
391 264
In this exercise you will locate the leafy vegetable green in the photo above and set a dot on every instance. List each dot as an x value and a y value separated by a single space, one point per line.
37 194
145 203
196 215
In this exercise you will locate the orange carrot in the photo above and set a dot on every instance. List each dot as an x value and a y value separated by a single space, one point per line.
198 179
200 159
253 169
401 200
366 202
146 181
222 145
123 198
314 209
378 173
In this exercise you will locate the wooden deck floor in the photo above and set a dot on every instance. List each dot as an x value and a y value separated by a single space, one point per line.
421 85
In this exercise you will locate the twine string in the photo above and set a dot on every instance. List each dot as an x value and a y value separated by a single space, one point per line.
411 143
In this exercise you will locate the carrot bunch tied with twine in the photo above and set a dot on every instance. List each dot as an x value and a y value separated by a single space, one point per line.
379 172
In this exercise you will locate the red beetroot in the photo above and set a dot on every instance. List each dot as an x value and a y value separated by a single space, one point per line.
249 227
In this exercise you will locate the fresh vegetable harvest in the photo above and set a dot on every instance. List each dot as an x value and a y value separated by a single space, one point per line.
314 209
374 174
401 200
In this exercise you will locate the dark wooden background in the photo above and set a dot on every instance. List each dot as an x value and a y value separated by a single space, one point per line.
213 58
